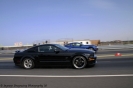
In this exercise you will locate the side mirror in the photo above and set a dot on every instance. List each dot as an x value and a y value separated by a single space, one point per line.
56 51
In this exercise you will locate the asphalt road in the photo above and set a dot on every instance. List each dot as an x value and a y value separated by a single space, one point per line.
110 72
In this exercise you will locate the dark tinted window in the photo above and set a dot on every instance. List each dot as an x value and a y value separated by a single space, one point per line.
47 48
76 44
60 47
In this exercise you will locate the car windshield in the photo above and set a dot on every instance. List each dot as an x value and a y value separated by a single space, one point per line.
61 47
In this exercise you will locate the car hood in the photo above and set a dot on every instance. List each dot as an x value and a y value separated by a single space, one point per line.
20 51
80 50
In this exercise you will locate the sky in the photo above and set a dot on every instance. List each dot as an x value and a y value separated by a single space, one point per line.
28 21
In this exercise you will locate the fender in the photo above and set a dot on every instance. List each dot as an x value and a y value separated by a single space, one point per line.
81 54
27 56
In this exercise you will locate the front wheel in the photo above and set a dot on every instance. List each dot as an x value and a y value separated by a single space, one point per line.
93 64
28 63
79 62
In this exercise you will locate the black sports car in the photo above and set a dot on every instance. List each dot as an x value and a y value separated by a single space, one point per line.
54 54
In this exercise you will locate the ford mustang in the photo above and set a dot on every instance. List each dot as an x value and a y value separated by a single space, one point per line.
54 54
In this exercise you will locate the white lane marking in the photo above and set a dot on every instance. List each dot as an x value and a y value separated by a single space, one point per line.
105 55
68 76
7 59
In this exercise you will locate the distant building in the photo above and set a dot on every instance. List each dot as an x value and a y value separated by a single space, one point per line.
95 42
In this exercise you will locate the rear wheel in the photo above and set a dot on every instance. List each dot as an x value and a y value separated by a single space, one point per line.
79 62
28 63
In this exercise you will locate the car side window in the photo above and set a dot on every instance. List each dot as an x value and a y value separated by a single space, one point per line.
76 44
53 48
47 48
43 48
73 44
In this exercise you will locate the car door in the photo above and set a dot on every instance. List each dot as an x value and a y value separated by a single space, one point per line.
61 56
43 54
49 54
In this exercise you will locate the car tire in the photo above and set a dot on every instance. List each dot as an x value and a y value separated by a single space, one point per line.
28 63
79 62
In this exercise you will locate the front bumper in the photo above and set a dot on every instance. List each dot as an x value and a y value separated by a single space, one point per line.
17 61
92 60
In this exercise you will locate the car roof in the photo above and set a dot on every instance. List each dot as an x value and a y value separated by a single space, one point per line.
74 42
42 45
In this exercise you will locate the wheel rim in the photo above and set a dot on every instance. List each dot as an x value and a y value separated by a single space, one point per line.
28 63
79 62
